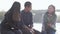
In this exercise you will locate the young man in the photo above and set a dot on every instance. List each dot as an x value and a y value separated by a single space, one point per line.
27 18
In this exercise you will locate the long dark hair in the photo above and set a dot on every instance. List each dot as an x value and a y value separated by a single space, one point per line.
15 8
8 20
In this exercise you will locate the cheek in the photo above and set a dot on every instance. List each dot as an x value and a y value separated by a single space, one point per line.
29 9
51 10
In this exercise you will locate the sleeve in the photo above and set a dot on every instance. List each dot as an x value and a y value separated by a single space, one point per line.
7 17
54 20
22 22
31 24
44 22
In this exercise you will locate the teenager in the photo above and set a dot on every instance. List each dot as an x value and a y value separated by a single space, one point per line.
49 21
11 22
27 18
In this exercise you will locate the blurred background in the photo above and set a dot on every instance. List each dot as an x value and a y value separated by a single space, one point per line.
39 7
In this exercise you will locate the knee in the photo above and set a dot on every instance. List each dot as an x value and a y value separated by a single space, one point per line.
10 32
18 32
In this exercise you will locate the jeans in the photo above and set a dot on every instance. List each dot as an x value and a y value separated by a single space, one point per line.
11 32
50 32
43 32
18 32
7 32
25 31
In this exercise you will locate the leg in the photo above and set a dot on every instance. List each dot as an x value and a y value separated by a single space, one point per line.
18 32
52 32
26 32
36 32
43 32
7 32
10 32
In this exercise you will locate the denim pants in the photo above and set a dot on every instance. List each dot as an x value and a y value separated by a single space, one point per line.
43 32
25 31
50 32
11 32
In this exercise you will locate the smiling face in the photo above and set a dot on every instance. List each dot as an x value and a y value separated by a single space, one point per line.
28 8
51 9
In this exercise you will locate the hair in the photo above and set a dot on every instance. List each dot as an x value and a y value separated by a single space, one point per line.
27 4
16 5
52 6
15 8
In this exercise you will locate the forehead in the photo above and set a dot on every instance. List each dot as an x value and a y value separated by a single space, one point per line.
51 7
28 6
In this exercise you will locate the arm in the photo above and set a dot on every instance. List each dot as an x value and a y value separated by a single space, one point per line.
22 22
44 22
53 21
31 24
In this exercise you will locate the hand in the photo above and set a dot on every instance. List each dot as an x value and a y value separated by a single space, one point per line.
30 29
27 28
49 25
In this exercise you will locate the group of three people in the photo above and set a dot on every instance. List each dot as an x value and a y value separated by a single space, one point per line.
21 22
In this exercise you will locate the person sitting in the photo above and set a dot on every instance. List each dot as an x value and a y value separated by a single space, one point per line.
27 19
11 22
49 21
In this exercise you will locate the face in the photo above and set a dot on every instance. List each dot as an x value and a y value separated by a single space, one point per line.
50 9
29 8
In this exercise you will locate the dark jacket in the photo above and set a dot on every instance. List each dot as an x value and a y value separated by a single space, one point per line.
8 23
27 18
10 28
51 20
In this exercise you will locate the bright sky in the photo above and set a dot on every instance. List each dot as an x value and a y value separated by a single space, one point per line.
36 4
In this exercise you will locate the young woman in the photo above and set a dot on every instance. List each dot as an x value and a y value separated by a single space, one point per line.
11 22
49 21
